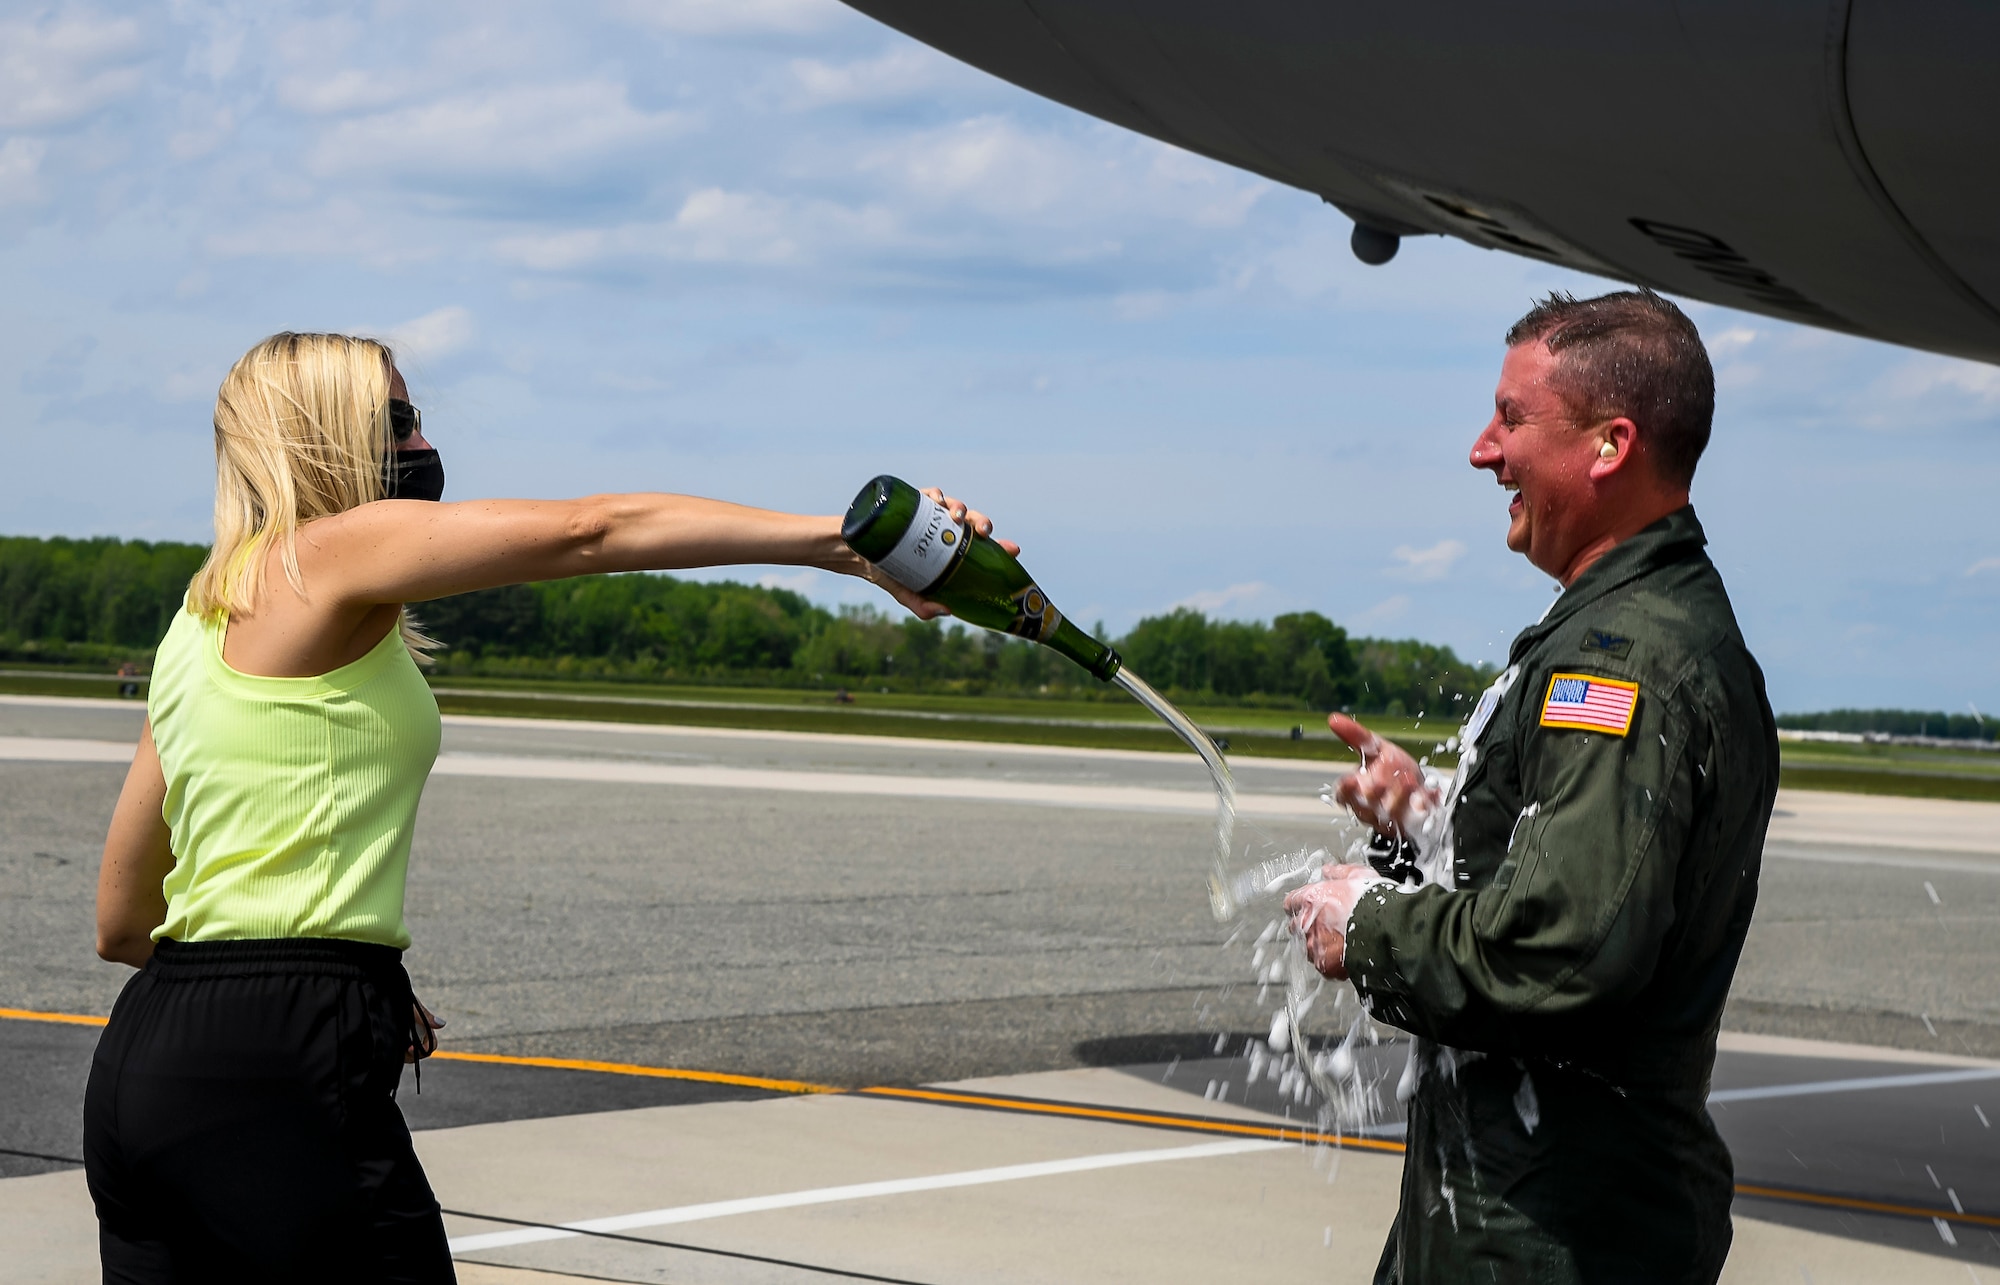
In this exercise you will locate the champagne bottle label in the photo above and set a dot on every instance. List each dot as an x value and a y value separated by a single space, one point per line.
1035 617
926 550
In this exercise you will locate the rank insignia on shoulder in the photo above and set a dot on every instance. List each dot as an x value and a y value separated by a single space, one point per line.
1608 643
1590 703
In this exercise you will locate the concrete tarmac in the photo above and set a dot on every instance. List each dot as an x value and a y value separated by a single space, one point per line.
878 934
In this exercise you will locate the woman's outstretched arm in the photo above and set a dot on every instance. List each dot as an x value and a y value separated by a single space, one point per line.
138 856
413 551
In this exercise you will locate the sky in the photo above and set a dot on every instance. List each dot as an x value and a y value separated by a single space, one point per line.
766 249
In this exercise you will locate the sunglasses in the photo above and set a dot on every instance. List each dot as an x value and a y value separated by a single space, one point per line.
405 420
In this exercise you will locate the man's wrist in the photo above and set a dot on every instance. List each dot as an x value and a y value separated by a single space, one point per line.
1359 942
1336 961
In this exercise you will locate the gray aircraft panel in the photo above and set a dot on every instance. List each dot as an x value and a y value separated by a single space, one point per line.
1925 95
1796 159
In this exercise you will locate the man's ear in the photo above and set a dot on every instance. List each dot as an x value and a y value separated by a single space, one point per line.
1617 442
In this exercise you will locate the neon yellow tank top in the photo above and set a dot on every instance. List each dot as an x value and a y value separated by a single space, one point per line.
291 800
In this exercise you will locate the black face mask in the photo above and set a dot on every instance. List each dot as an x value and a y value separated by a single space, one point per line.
413 475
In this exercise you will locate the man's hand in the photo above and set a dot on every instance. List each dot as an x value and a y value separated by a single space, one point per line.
1389 792
1320 911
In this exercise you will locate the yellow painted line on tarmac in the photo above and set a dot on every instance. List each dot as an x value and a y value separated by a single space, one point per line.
1071 1110
1278 1133
651 1072
1864 1206
69 1019
504 1059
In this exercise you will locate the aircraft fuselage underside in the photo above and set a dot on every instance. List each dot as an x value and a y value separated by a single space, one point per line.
1832 162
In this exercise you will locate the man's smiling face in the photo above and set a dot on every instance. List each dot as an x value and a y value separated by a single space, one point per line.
1535 448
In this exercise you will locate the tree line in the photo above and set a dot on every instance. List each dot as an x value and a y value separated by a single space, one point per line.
93 599
99 596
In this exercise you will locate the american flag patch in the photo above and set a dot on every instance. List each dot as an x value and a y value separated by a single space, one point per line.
1591 703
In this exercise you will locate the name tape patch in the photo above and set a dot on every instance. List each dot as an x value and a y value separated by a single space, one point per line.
1590 703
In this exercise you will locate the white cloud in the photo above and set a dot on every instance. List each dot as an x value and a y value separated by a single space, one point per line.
1141 305
1092 176
1925 375
805 581
904 70
55 70
556 251
435 334
1213 196
626 382
1910 393
540 130
20 170
734 17
203 137
347 90
219 54
987 162
1730 342
713 225
1433 563
1011 381
338 228
1385 612
1982 566
181 386
1214 601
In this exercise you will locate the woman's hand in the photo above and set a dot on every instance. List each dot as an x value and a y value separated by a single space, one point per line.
920 606
425 1026
972 517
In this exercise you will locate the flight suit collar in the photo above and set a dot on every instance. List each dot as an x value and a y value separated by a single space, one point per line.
1672 539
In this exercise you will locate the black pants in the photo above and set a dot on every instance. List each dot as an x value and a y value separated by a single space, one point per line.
241 1123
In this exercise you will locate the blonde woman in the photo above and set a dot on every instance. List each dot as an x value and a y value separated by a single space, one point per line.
239 1120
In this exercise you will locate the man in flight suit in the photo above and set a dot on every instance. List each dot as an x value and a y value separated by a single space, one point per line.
1558 930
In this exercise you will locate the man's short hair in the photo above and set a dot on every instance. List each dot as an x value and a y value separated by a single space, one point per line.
1634 354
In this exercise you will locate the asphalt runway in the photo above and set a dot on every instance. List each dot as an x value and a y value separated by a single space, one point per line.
857 913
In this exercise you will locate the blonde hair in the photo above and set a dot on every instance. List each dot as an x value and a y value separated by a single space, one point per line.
301 432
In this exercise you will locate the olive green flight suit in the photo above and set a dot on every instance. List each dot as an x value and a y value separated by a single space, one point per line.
1567 992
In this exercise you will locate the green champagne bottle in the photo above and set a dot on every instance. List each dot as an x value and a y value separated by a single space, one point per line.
912 537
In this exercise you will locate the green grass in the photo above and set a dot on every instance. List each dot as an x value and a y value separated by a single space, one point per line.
1844 756
1905 784
1116 722
56 682
1914 771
